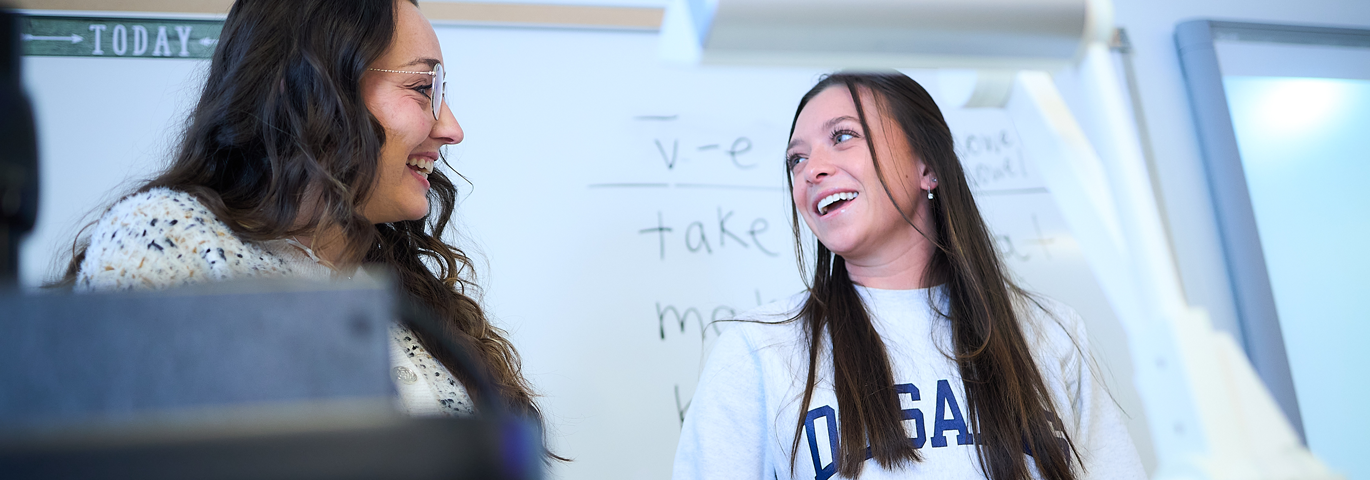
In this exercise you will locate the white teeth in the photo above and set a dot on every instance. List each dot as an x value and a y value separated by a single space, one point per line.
425 165
834 198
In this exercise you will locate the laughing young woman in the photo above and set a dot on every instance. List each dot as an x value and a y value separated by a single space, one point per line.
314 149
912 354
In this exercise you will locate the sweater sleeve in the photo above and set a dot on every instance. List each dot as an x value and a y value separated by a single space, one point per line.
154 240
1101 437
724 433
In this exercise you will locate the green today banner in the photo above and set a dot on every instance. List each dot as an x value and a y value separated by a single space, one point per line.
54 36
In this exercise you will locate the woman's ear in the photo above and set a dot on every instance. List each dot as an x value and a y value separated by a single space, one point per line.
927 178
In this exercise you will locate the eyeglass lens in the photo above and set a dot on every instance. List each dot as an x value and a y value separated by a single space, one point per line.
439 87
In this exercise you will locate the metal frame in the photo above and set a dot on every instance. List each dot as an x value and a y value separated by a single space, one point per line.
1256 314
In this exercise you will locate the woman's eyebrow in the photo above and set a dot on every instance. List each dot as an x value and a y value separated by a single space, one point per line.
431 62
833 122
828 125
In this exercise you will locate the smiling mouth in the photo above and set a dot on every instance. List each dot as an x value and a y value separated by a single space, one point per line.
834 201
422 165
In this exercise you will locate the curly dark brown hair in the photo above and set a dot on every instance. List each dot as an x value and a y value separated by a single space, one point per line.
281 124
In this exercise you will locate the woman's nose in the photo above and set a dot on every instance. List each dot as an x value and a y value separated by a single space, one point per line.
817 166
447 130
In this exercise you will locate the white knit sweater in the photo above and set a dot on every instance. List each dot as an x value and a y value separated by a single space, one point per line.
164 238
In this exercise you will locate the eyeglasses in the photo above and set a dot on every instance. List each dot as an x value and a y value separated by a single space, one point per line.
437 96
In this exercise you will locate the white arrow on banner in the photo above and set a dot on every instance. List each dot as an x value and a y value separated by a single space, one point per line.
74 38
208 41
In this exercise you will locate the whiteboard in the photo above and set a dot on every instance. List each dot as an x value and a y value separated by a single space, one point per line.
616 206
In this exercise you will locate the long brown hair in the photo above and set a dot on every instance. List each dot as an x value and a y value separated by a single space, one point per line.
1010 410
281 124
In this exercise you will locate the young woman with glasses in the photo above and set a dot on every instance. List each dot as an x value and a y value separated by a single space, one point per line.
912 354
315 148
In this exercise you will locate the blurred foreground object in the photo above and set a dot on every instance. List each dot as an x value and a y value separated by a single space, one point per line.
18 153
263 379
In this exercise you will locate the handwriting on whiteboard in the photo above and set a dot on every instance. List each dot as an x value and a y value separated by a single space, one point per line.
739 146
992 160
677 143
700 237
1024 248
695 194
679 323
687 159
990 151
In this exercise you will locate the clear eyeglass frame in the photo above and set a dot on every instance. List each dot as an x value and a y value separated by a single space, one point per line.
438 96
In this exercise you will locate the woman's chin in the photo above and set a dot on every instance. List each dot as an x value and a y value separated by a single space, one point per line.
414 212
416 215
857 251
840 246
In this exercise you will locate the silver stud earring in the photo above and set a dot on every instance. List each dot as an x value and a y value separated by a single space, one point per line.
934 183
